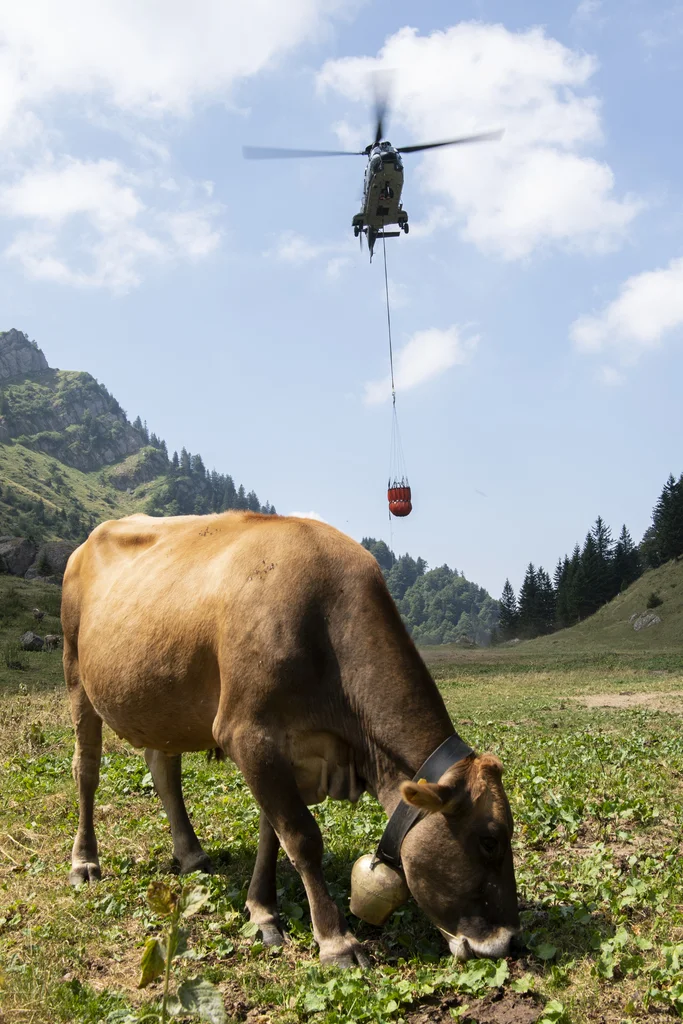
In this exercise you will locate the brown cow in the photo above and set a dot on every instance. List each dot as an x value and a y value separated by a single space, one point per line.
276 641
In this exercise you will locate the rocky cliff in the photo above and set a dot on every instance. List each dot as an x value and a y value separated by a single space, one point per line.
65 414
19 356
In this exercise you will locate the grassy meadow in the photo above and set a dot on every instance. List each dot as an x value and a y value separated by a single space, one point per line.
589 730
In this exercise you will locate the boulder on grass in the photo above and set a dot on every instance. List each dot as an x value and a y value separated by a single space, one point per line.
31 641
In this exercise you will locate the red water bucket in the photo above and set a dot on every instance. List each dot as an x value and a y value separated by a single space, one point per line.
399 501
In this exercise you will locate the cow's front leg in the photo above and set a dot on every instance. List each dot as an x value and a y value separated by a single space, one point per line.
166 772
270 777
262 895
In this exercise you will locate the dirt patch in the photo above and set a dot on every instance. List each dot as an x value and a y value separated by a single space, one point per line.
498 1008
656 701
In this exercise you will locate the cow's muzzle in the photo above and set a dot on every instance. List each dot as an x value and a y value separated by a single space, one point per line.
493 946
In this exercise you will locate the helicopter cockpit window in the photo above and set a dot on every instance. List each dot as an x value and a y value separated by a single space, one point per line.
376 163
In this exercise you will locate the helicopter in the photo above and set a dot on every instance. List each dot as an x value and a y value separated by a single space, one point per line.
383 182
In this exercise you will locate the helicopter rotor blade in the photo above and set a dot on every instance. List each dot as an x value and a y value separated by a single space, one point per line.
273 153
381 84
480 137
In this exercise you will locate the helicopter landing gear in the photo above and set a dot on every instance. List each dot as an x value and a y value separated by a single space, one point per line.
406 227
356 230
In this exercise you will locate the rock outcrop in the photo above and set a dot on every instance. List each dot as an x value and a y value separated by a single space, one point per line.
643 620
19 356
16 555
50 559
66 414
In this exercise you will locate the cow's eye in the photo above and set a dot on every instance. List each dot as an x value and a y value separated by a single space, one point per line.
489 845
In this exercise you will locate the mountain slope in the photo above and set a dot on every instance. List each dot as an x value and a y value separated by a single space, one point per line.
612 627
70 457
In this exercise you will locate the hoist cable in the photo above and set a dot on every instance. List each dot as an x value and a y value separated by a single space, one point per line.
391 350
397 469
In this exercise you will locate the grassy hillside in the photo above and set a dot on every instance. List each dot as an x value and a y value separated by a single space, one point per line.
607 635
70 457
610 629
28 477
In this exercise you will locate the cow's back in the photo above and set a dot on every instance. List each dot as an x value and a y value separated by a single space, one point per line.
166 613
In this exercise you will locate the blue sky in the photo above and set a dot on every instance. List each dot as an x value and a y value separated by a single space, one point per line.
537 302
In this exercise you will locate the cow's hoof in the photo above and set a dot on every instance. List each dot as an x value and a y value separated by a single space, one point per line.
271 935
344 951
196 862
85 872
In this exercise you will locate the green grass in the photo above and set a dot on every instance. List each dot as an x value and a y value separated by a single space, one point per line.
597 795
37 476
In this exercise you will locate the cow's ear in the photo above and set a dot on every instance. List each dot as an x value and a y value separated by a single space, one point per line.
431 797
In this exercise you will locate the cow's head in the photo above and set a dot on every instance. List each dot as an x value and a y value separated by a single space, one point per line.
458 859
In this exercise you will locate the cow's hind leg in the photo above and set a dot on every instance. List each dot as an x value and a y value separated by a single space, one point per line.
167 774
85 866
262 894
269 775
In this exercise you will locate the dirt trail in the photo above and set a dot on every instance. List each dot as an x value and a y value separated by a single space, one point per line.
505 1008
656 701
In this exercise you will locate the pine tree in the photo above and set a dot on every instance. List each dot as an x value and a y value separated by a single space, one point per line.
604 546
545 603
626 565
509 617
590 597
175 463
666 540
528 603
185 462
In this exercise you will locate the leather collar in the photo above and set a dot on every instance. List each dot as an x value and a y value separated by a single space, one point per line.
451 751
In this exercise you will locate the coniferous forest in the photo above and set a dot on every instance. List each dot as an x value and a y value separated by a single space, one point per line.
593 573
439 606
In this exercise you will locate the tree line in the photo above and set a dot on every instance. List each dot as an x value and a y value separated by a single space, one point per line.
439 606
593 574
187 488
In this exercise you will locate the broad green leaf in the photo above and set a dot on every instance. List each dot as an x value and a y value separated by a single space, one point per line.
502 973
524 984
545 951
552 1012
201 997
152 964
161 898
314 1002
249 930
192 900
177 941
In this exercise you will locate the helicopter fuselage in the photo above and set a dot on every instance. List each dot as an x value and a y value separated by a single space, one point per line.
381 193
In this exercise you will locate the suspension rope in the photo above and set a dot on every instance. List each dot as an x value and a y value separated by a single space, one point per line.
386 289
397 469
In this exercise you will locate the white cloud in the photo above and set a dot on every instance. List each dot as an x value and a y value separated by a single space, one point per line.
587 10
308 515
398 294
88 225
298 250
649 306
426 355
148 58
610 376
534 187
129 68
